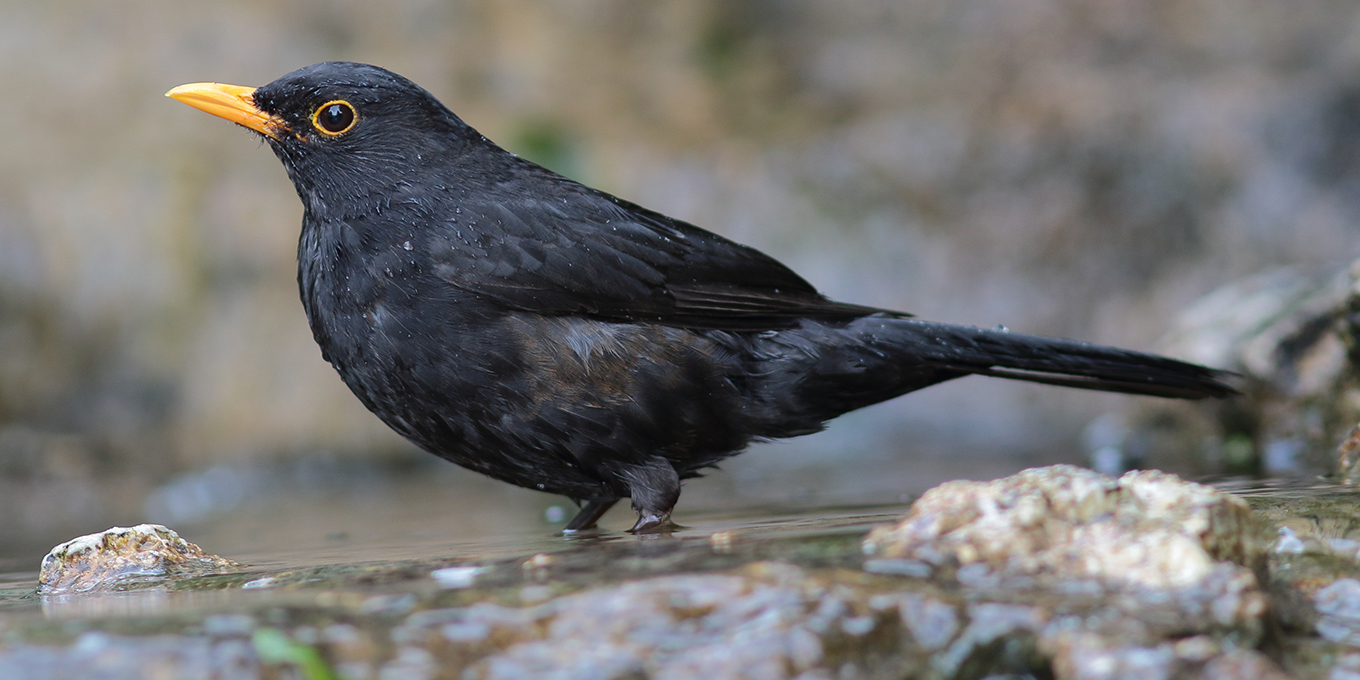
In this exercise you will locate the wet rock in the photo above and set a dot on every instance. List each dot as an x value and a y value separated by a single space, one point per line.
1111 575
1338 606
1348 458
122 556
1090 657
997 638
1146 529
1243 664
97 655
1314 575
770 621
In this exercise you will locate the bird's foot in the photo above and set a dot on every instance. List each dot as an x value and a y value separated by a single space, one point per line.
652 523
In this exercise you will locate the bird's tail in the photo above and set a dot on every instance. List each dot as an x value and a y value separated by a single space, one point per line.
820 371
1053 361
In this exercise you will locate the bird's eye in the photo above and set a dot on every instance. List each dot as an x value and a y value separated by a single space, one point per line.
334 118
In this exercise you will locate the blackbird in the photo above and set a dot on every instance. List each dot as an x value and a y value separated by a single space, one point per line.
553 336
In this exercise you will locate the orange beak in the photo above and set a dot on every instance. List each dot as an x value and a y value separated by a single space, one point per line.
233 102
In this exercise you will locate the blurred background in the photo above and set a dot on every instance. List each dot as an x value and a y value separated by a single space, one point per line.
1081 169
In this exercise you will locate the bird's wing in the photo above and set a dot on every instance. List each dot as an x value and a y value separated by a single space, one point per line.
585 252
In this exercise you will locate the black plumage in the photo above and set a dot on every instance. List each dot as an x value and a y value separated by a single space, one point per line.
556 337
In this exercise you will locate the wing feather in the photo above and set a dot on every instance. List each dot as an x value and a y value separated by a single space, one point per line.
576 250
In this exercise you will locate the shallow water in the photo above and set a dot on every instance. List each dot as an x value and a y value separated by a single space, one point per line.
373 562
399 528
324 512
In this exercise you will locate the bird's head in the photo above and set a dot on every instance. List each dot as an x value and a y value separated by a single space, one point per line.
340 127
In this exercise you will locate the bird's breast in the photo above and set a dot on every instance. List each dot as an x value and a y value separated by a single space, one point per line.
377 309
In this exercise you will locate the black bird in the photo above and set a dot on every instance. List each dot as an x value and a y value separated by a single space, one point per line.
556 337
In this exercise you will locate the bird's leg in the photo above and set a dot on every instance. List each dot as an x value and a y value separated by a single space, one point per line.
589 514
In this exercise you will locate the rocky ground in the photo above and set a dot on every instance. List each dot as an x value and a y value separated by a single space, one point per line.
1055 572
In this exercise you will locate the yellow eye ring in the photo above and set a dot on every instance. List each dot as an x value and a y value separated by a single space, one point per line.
334 118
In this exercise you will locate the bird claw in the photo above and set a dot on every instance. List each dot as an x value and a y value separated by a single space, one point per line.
581 533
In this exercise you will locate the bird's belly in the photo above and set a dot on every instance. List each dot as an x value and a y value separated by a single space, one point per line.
546 402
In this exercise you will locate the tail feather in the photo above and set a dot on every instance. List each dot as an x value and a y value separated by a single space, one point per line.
808 375
1055 361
